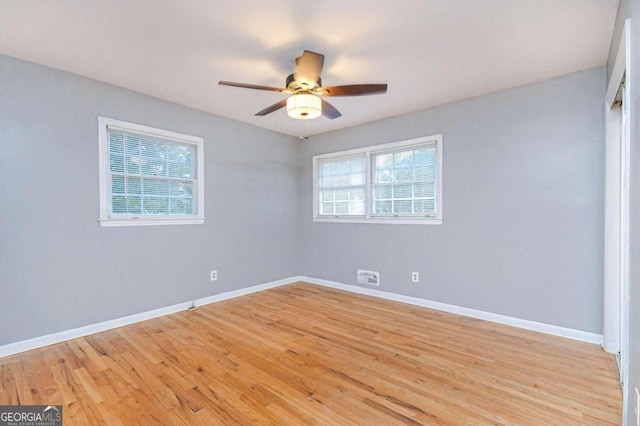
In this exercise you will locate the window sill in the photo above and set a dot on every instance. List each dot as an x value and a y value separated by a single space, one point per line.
391 221
150 222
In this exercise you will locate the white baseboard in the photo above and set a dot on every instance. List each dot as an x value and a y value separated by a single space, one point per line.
50 339
555 330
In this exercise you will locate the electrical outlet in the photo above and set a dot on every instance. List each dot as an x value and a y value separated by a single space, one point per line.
214 275
415 277
637 408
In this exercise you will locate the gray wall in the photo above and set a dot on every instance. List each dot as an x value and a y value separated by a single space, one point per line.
523 206
59 269
631 9
523 211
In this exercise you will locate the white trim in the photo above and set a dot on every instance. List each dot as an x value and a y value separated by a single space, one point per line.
143 222
368 216
105 218
555 330
50 339
390 221
382 147
627 118
616 284
612 232
619 67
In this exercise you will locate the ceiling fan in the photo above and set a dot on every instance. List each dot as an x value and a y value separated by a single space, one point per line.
305 87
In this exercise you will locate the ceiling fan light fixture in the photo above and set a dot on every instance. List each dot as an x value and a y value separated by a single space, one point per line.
304 106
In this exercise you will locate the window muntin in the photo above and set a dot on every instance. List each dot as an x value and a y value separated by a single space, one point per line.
402 183
149 176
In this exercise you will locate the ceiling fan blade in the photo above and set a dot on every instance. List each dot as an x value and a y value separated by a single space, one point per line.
308 67
252 86
271 108
329 110
353 90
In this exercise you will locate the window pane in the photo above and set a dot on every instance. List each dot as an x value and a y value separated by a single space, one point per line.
383 192
118 205
132 145
384 176
403 207
425 206
116 152
327 208
343 180
403 159
134 185
156 187
356 207
327 195
152 167
402 191
403 175
134 205
116 163
328 182
117 185
328 169
156 205
356 194
384 161
357 179
151 148
179 153
116 143
132 165
382 207
342 208
182 189
357 165
342 195
423 173
424 189
179 170
181 206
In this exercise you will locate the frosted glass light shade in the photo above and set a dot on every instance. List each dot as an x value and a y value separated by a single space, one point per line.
304 106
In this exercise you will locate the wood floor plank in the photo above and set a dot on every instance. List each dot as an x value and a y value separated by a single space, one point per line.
302 354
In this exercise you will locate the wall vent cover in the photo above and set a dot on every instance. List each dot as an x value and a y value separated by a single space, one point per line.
368 277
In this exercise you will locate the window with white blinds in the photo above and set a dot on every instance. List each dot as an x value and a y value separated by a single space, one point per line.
404 181
400 182
341 186
149 176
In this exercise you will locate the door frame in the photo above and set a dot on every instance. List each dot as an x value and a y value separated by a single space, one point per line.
616 242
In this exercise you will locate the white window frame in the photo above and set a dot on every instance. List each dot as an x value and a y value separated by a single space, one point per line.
368 216
106 218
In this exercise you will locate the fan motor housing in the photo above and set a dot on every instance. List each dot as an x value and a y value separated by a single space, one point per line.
296 86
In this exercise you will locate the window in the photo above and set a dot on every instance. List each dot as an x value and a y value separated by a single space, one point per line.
149 176
400 182
341 183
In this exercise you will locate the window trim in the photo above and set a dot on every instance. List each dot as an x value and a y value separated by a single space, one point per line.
106 218
368 151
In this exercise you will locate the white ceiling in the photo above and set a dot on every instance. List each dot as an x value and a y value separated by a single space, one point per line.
429 52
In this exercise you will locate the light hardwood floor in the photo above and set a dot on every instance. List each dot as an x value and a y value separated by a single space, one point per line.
304 354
